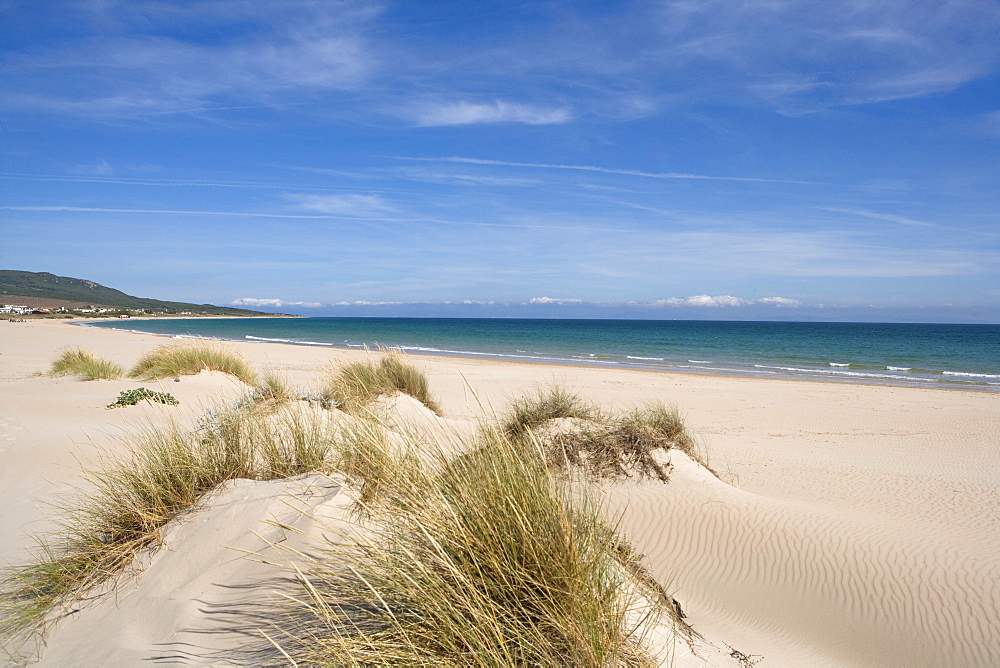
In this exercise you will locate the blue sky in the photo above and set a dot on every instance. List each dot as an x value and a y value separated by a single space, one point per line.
721 159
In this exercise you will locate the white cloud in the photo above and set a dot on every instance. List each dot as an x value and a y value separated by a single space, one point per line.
345 205
778 301
833 53
140 66
273 303
364 302
717 301
469 113
554 300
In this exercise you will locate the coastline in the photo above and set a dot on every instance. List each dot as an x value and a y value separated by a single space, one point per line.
838 373
834 498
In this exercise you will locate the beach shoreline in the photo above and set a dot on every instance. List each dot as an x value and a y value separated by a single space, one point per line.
851 523
845 376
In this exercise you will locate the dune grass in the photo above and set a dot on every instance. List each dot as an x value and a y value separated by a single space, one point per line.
483 560
529 412
491 558
607 446
168 469
83 363
271 392
355 385
172 361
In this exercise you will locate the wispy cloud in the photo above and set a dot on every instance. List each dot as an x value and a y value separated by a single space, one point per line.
470 113
342 205
86 209
889 217
608 170
836 52
272 303
142 66
102 168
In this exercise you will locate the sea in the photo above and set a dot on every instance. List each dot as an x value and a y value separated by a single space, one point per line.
922 355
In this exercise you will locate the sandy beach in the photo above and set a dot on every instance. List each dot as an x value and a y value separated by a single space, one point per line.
849 525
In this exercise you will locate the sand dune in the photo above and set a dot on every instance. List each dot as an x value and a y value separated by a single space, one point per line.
852 525
200 598
825 586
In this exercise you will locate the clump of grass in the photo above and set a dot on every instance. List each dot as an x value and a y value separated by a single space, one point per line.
530 412
172 361
485 560
615 446
357 384
659 421
168 469
271 393
83 363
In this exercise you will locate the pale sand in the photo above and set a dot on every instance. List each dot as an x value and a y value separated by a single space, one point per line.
853 525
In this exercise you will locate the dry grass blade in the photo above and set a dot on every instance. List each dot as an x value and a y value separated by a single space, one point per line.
172 361
83 363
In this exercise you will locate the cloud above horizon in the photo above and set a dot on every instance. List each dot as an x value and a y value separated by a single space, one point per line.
271 303
554 300
718 301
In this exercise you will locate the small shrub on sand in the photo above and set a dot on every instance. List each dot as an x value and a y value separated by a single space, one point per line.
530 412
172 361
81 362
168 470
357 384
133 397
484 560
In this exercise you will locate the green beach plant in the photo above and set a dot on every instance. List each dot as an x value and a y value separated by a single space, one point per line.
166 471
483 560
172 361
83 363
133 397
354 386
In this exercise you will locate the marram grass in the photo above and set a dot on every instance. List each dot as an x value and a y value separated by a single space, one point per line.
531 411
484 560
605 445
83 363
355 385
492 558
172 361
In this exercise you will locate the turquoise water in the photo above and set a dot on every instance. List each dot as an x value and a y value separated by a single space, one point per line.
957 356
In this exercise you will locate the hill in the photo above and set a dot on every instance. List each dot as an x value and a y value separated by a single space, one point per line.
45 289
